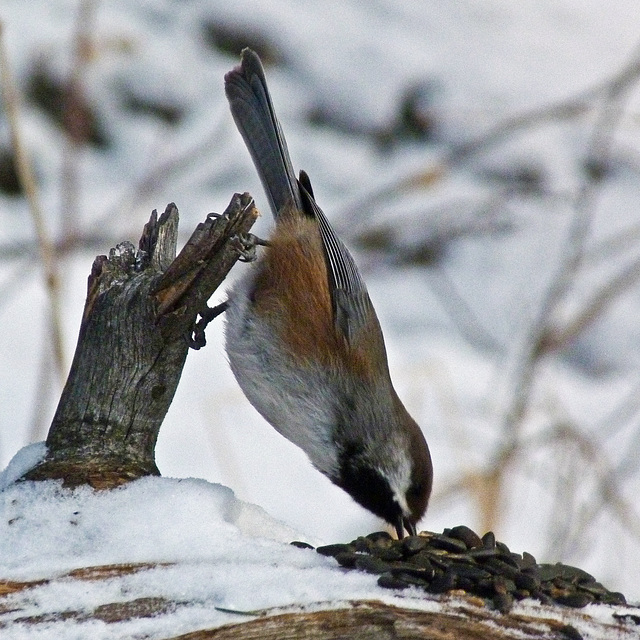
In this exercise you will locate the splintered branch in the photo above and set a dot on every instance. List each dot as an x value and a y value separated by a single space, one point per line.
140 310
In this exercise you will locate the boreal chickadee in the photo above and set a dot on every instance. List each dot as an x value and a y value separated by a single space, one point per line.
303 339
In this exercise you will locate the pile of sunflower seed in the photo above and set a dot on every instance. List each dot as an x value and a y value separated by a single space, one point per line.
459 559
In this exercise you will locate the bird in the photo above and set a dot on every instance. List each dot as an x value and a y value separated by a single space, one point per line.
303 340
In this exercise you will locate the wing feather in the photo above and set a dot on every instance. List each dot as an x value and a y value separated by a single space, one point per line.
350 299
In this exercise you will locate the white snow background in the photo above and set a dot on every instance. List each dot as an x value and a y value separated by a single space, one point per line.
483 62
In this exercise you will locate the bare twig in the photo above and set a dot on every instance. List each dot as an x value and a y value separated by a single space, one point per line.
613 246
460 312
608 493
592 308
160 172
23 252
27 180
571 108
523 368
75 120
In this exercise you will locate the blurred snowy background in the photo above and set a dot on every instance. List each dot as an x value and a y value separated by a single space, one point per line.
481 159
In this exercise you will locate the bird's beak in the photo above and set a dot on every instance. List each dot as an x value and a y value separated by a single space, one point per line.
410 527
400 527
403 523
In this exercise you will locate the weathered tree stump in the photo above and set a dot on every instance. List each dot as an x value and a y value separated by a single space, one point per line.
139 314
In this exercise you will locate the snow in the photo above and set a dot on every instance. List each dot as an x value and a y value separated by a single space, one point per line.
230 554
220 559
487 62
82 528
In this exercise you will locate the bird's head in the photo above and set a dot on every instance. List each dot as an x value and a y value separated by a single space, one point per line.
390 476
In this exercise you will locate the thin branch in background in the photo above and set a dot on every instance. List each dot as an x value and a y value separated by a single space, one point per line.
458 309
522 371
159 173
556 338
28 183
582 459
76 125
565 476
609 494
624 417
23 252
40 418
565 110
623 413
572 108
628 465
613 246
599 150
596 468
460 312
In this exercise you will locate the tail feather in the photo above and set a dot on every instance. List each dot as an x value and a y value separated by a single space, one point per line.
252 110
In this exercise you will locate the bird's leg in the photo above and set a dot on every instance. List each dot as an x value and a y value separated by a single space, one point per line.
196 338
245 244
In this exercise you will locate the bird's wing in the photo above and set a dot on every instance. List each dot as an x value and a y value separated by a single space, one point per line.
352 307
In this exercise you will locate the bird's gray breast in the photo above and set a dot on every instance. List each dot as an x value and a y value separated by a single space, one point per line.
297 398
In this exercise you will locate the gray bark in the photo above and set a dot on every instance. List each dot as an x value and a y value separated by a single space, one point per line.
140 310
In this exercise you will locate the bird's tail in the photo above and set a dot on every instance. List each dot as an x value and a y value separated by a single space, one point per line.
252 110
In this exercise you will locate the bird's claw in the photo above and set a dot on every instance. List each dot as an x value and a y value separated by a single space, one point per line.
245 244
197 339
